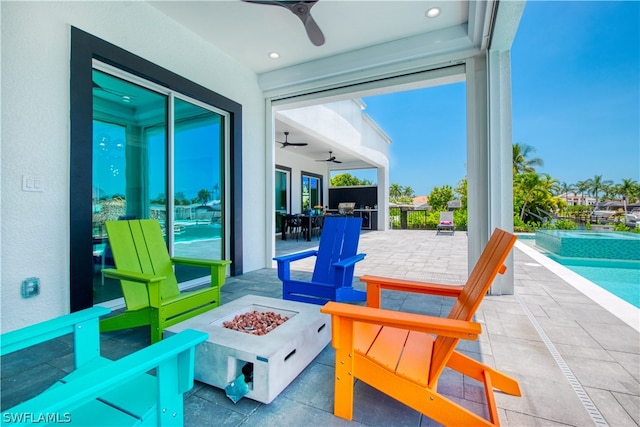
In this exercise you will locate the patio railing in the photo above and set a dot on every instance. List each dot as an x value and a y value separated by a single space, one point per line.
407 218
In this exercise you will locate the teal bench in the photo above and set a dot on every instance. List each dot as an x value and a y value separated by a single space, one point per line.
102 392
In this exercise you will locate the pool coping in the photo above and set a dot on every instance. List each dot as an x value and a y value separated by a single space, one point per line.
620 308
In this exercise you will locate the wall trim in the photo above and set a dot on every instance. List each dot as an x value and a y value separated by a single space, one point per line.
84 48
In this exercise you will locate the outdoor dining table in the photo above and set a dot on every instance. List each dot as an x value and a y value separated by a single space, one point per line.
304 218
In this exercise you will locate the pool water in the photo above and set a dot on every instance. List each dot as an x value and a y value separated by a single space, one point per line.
193 232
590 244
621 277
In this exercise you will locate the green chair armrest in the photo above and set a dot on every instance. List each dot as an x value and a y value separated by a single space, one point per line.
218 267
197 262
174 358
131 275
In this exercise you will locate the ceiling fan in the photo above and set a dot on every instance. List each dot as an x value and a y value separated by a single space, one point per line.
302 9
123 96
331 158
286 142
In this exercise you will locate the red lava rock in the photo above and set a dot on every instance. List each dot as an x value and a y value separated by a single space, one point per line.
256 322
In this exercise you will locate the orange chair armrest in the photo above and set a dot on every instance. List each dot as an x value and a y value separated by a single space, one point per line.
375 285
412 286
409 321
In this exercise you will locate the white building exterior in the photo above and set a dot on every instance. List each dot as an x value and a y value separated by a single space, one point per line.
37 227
344 128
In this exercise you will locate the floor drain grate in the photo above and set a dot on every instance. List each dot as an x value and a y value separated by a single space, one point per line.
588 404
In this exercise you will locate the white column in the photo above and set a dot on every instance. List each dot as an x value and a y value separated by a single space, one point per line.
477 158
501 157
383 198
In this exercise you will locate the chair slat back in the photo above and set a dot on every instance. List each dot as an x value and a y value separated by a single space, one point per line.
139 246
339 240
159 256
491 263
446 216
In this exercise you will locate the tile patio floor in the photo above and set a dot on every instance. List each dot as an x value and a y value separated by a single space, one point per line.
577 363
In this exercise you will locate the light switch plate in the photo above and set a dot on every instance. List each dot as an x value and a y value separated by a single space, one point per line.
32 183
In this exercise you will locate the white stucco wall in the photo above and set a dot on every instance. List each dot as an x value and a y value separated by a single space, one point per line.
35 134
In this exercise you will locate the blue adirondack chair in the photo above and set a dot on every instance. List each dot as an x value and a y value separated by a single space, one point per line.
332 276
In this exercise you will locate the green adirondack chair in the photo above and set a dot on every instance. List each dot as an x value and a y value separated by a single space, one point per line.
148 281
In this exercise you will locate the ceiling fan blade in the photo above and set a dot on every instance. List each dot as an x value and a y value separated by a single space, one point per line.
292 144
267 2
302 9
331 158
313 31
286 142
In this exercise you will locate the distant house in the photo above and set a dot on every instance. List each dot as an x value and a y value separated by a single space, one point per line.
420 201
574 199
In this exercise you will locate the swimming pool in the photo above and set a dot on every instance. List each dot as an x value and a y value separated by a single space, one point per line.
590 244
621 277
189 232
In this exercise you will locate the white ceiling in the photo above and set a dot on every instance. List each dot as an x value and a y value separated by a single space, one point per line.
249 31
364 40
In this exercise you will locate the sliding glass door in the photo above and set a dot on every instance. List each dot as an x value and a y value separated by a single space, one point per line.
311 191
198 164
156 154
282 196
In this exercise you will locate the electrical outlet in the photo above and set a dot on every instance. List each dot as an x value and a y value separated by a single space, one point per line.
30 287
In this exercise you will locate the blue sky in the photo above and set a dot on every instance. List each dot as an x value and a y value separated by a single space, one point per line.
576 101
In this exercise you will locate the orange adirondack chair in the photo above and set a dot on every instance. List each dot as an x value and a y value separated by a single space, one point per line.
404 354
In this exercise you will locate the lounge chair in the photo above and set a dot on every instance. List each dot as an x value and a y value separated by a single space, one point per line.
102 392
404 354
149 284
446 223
335 263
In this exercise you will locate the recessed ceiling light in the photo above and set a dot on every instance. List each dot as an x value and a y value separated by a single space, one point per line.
432 12
274 55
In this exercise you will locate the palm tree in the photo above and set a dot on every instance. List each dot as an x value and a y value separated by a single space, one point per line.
204 196
552 185
407 191
521 162
566 189
582 187
596 185
395 192
529 187
628 189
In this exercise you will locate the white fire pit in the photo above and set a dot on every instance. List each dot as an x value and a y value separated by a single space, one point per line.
275 358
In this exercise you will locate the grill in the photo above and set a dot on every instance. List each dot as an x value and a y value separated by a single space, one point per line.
346 208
